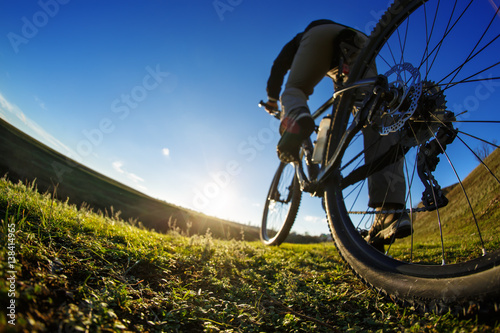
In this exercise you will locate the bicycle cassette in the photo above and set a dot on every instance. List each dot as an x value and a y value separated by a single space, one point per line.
430 115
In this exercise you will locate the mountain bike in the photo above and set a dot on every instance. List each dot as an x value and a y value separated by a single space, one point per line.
436 95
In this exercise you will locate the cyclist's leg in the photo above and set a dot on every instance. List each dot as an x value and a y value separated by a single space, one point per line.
310 65
386 190
388 185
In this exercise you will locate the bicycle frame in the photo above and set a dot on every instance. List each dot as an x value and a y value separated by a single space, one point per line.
380 90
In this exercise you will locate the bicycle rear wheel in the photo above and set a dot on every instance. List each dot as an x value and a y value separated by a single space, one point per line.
443 64
281 207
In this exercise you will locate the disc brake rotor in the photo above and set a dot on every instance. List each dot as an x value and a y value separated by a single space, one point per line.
404 80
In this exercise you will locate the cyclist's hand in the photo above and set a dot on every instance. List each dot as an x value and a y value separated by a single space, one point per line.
271 106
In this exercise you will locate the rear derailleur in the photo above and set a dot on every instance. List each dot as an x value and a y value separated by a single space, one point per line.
427 160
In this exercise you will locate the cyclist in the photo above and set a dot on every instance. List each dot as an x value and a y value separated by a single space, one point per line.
326 48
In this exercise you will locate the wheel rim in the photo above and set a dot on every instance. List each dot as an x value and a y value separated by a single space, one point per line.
278 203
458 74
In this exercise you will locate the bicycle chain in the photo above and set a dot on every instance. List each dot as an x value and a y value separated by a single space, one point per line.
394 211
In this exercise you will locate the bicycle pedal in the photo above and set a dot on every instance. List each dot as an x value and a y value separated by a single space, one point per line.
287 157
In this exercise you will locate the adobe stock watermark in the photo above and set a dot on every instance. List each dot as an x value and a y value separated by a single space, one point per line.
120 109
223 6
248 149
11 273
31 25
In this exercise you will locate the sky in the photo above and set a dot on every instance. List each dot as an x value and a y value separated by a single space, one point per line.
162 95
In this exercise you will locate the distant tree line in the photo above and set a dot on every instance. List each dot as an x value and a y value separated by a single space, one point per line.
484 150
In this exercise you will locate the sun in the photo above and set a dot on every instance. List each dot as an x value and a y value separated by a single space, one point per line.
224 205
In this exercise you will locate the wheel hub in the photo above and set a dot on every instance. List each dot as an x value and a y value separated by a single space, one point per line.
430 115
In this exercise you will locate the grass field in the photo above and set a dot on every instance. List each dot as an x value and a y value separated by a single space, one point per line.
79 271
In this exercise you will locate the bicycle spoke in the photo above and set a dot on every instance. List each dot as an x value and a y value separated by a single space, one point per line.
465 80
410 183
428 34
480 139
465 194
475 74
440 224
439 44
402 45
471 55
479 158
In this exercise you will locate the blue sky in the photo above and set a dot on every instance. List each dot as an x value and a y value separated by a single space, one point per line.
162 95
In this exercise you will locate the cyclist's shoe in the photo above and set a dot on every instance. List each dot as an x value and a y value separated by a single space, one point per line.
294 129
387 227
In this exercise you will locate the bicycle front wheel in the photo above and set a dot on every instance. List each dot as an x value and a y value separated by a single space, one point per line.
281 206
441 60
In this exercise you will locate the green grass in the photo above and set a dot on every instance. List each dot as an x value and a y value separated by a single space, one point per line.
78 271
